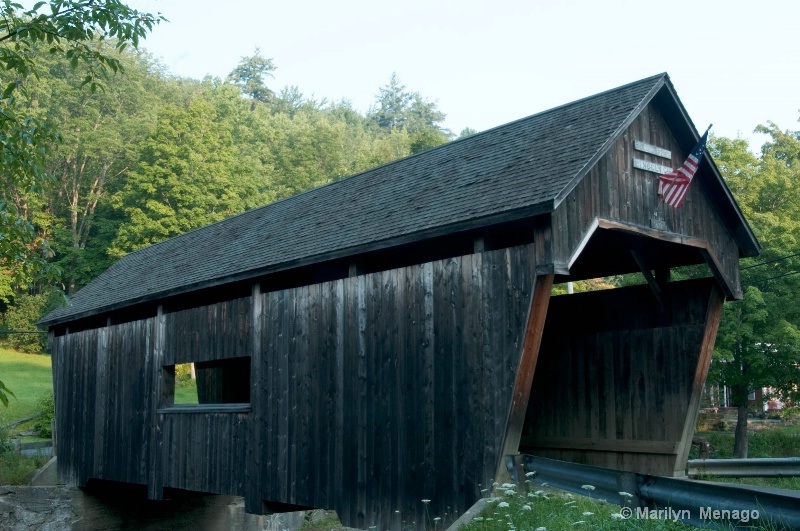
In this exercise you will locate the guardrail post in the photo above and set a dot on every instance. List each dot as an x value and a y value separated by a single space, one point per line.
515 464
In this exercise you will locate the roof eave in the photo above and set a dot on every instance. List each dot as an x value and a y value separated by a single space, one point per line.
503 217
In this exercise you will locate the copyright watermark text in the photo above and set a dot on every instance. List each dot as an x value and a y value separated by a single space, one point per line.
708 514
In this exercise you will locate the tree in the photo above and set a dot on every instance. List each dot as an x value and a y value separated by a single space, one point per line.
397 109
758 344
467 131
249 76
102 133
191 171
71 29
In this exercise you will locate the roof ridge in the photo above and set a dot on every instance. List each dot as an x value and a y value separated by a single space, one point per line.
398 161
510 170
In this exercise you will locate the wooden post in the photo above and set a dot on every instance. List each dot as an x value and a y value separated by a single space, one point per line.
540 298
713 316
101 392
158 399
655 287
253 474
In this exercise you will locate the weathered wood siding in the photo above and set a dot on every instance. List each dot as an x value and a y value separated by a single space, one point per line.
103 394
615 190
385 389
208 333
613 387
368 394
204 452
74 363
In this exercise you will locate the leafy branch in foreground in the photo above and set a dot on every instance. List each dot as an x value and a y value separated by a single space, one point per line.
4 393
75 30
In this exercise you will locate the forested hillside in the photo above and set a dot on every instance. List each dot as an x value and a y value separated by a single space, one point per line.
149 156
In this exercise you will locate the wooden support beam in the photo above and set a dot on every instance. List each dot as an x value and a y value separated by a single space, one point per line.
662 275
160 396
603 445
101 403
648 276
713 317
540 299
732 287
254 472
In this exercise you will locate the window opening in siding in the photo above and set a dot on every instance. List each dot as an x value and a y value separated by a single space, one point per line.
185 384
209 383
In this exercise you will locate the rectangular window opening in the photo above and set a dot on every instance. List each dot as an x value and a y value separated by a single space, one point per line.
185 384
204 383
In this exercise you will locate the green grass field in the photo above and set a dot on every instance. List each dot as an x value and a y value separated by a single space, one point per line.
29 376
777 483
782 441
186 393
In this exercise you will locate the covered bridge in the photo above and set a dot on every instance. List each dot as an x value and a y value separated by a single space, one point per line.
389 337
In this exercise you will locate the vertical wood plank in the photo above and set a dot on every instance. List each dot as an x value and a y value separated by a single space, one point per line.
155 489
339 449
254 472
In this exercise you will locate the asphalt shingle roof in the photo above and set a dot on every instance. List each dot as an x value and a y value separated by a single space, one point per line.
521 166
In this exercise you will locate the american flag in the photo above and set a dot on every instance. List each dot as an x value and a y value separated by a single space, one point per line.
672 186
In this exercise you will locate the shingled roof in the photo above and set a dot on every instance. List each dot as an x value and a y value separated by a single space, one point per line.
513 171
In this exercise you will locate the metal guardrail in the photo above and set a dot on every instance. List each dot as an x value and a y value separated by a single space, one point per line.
745 468
700 503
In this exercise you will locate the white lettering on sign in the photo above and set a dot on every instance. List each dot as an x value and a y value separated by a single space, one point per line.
653 150
650 166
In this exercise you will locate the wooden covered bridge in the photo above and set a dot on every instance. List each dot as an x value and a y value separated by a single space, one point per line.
389 337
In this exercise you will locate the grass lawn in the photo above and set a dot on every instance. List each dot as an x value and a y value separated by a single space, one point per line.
186 393
782 441
553 510
29 376
776 483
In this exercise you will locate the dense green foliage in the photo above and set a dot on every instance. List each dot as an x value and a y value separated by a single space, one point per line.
80 33
150 156
758 344
46 409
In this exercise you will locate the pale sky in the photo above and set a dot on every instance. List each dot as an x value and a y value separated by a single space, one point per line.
733 63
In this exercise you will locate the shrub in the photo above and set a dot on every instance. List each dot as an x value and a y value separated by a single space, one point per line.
23 315
5 442
773 443
183 374
790 413
45 407
15 468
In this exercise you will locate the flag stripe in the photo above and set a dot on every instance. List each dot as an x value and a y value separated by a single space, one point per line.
673 186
